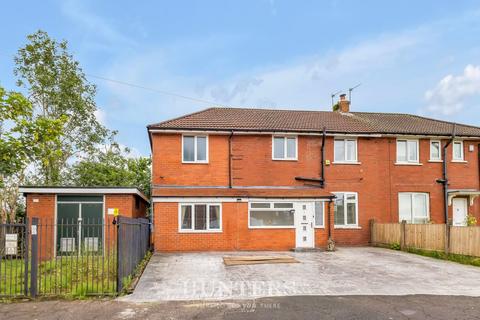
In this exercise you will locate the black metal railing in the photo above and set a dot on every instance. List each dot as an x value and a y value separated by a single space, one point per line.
72 257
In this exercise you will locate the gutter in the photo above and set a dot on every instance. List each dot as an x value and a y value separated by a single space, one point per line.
444 180
230 182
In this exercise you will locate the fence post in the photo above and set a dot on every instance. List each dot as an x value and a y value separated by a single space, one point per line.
372 232
403 234
447 237
34 258
119 257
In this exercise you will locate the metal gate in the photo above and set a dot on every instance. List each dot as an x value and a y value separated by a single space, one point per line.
13 260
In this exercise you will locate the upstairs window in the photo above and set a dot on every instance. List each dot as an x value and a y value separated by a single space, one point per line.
284 148
435 150
413 207
195 149
345 150
457 151
407 151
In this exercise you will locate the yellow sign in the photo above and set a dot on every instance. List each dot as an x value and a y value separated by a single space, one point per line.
115 212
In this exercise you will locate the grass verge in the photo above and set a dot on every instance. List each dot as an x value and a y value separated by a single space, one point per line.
468 260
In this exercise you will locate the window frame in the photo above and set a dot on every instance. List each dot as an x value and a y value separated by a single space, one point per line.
285 138
462 159
192 205
315 225
412 196
345 150
345 225
439 151
407 161
195 136
271 208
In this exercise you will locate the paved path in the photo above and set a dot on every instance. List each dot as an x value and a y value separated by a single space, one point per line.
348 271
353 307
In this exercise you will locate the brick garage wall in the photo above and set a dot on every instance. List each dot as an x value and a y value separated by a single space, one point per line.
377 179
42 206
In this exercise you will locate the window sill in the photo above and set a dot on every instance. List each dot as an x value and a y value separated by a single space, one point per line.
194 162
437 161
319 227
347 162
284 159
272 227
200 231
347 227
459 161
408 164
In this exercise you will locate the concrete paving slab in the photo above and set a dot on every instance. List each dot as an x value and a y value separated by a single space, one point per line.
348 271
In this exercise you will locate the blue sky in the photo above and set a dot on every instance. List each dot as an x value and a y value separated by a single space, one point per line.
420 57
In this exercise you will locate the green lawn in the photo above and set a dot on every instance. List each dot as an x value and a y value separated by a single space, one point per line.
66 275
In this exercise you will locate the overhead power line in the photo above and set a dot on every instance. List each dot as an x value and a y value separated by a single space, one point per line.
172 94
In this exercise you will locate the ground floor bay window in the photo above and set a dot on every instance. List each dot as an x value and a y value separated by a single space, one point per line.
413 207
200 217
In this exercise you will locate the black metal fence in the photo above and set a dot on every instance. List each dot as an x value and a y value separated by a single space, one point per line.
70 257
131 252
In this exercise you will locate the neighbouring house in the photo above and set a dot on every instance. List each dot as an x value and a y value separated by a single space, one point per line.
259 179
73 218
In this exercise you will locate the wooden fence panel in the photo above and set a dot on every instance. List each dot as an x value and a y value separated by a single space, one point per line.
425 236
386 233
465 240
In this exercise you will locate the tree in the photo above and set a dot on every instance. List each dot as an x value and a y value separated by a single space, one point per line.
112 166
57 87
23 139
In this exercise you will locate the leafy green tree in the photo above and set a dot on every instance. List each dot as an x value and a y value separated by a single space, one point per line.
112 167
57 88
23 139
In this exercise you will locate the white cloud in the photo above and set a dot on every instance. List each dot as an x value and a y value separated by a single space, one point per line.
449 95
95 25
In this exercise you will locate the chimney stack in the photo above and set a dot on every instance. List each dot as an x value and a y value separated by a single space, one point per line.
343 104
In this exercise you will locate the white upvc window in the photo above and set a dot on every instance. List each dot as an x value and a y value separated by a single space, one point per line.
194 149
200 217
435 150
457 151
284 147
413 207
319 214
345 150
271 215
346 209
407 151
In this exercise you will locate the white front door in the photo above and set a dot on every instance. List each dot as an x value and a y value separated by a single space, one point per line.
460 206
304 220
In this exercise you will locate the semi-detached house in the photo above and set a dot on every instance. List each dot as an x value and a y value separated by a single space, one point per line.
259 179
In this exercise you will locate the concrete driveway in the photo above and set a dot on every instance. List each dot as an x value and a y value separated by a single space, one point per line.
348 271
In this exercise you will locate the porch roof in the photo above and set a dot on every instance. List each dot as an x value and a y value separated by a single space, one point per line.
260 192
470 193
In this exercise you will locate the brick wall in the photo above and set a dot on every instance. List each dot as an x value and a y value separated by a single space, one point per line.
377 180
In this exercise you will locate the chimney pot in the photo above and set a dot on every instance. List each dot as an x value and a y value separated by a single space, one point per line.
343 104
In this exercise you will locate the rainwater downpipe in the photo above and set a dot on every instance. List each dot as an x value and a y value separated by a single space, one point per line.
444 180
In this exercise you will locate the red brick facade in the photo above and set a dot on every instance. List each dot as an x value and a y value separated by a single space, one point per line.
377 180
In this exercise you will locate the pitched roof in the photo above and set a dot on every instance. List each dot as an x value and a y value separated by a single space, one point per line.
245 119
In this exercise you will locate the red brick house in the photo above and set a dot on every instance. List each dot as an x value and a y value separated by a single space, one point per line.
258 179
